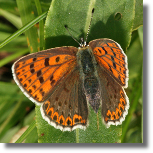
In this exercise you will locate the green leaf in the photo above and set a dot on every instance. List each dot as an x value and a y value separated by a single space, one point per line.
77 15
138 20
111 19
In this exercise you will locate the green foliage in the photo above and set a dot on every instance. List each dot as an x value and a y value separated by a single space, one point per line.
118 20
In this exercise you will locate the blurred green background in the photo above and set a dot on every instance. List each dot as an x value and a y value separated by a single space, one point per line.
16 111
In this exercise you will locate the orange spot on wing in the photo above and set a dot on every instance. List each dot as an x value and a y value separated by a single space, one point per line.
52 111
112 44
108 113
57 116
61 118
60 59
80 120
107 60
106 119
68 119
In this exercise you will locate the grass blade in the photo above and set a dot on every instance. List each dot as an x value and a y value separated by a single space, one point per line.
41 25
23 29
27 132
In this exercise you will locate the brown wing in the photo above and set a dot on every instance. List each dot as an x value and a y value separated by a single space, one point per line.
115 103
66 109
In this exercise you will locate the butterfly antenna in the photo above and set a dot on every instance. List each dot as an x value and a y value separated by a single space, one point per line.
89 24
71 35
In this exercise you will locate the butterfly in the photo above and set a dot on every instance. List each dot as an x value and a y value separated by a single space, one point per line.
65 81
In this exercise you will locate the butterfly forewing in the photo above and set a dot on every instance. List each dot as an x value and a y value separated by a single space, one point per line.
111 57
39 73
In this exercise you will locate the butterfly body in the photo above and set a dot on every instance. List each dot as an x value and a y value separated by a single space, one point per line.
89 76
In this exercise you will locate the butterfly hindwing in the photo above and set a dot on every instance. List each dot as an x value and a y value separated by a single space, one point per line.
66 108
115 103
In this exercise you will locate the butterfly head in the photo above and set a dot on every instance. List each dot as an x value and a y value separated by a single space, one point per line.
83 43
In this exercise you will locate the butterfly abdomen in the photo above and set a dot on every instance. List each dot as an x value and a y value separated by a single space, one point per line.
91 87
89 77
